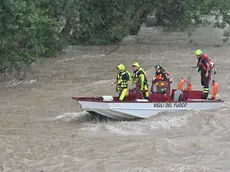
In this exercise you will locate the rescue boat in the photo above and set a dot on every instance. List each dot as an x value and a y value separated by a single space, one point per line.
161 99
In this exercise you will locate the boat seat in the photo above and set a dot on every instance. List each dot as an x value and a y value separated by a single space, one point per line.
158 97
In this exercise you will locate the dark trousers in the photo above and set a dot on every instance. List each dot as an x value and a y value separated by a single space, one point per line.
205 84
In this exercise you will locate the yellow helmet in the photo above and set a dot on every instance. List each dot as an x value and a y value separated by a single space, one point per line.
136 64
121 67
198 52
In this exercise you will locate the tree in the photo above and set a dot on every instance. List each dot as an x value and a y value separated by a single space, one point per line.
221 10
35 28
102 22
26 33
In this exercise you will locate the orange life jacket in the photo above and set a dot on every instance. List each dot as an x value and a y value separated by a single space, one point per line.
181 85
160 76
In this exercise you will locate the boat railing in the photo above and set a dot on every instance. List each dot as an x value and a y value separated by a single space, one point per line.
160 86
162 92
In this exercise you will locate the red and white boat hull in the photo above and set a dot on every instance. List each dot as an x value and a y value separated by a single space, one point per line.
135 110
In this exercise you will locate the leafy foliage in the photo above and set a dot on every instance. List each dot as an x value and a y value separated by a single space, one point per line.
30 29
221 10
25 34
102 22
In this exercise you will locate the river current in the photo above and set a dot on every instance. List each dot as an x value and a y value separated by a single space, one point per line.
43 129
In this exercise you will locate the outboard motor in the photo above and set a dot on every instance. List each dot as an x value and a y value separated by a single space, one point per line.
105 98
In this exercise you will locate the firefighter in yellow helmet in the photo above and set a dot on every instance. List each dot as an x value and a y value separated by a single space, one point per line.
123 82
204 65
139 73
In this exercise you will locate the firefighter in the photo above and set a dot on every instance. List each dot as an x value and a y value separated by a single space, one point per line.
123 82
204 67
139 73
160 75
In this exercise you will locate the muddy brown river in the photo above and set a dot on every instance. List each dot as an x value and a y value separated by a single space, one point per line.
43 130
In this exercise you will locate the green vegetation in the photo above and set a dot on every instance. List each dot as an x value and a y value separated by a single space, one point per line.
32 29
26 33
